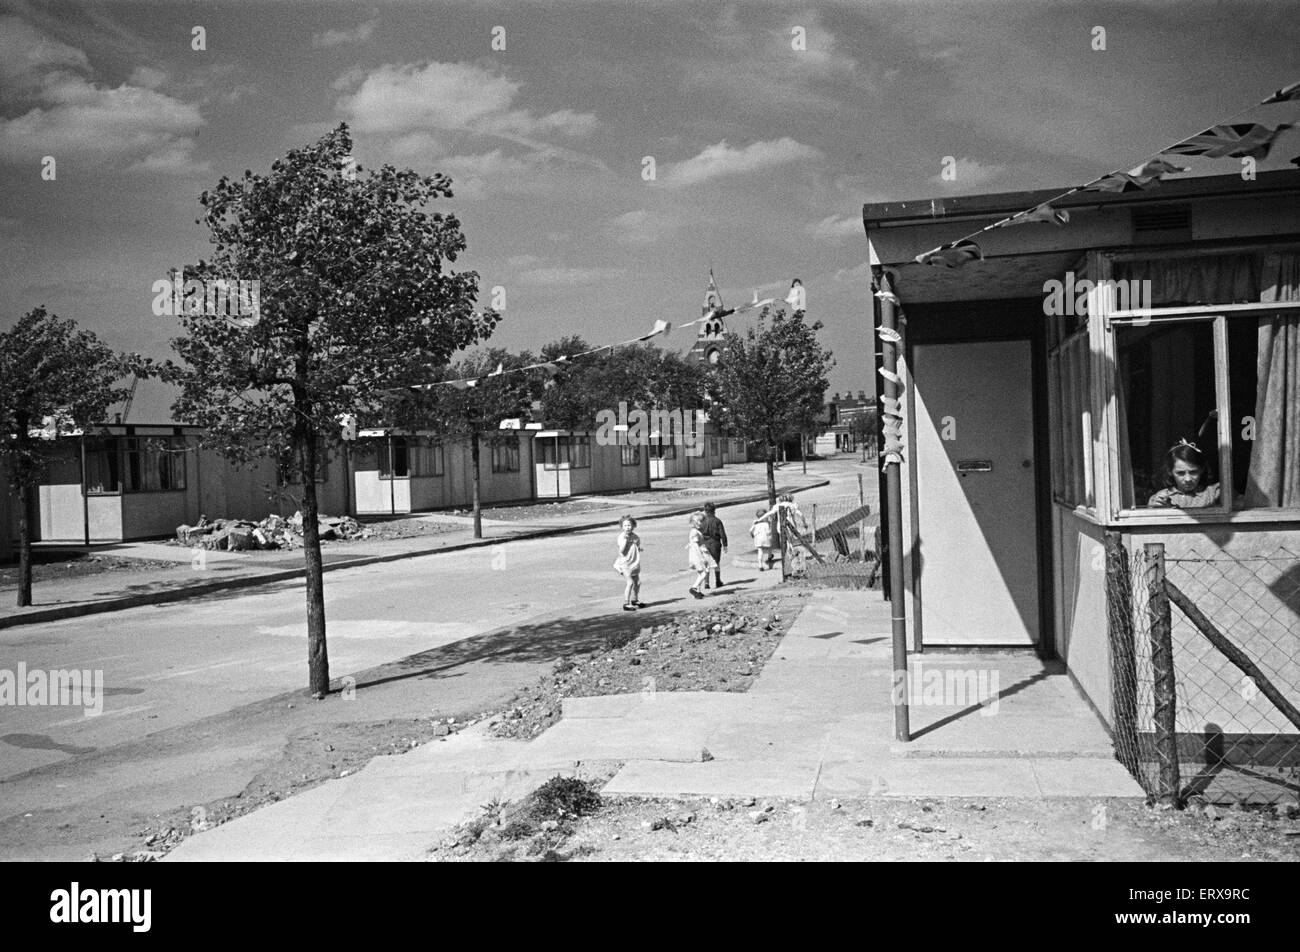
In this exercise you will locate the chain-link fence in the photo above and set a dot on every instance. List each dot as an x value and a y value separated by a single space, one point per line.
1205 672
833 538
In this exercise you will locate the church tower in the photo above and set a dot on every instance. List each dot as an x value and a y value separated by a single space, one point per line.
708 340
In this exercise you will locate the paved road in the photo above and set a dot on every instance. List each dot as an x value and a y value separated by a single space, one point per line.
175 664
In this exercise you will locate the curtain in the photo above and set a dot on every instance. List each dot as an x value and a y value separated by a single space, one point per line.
1274 479
1213 279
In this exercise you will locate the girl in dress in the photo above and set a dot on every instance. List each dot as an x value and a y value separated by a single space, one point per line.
697 555
761 533
628 564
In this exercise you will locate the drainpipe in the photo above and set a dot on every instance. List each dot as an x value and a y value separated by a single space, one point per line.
889 354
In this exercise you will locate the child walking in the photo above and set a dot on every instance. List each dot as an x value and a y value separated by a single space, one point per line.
761 533
698 556
628 564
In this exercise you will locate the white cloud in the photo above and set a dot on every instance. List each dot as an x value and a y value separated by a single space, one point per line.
834 227
146 77
28 55
721 159
69 114
358 34
400 99
640 227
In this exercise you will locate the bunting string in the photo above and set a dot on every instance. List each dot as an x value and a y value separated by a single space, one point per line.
1231 139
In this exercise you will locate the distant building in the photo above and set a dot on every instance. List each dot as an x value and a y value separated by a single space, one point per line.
840 416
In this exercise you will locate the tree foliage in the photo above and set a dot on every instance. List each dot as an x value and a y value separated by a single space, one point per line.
54 379
355 299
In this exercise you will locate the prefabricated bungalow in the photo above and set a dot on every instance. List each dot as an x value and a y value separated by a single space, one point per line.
8 518
143 474
1040 408
395 472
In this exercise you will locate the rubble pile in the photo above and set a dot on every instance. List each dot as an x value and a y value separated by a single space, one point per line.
273 532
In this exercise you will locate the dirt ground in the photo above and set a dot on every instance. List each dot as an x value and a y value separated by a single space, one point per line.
47 568
720 648
318 749
955 830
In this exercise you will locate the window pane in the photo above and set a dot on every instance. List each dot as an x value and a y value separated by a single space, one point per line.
1166 394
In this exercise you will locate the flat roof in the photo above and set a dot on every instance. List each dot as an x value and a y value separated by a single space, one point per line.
998 204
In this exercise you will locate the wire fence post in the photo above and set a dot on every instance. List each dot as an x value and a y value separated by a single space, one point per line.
1162 673
1124 687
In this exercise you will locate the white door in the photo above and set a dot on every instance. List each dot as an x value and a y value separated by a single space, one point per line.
978 553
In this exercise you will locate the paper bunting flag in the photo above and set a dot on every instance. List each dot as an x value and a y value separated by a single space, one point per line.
1147 174
889 334
471 383
662 327
891 458
890 375
953 255
1043 213
1239 140
892 404
756 303
889 296
501 368
1285 94
797 298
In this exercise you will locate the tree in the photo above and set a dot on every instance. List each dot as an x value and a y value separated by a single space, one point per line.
771 382
354 301
471 413
643 377
53 379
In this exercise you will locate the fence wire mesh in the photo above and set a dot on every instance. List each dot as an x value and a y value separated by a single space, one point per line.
834 539
1207 709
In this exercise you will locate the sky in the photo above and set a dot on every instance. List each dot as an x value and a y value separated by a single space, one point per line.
763 152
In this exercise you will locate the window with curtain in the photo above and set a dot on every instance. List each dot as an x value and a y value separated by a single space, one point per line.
1179 375
505 456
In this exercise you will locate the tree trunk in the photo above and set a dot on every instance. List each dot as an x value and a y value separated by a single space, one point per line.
318 663
24 546
771 476
478 513
803 453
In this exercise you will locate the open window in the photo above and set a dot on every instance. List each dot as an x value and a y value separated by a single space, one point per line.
1207 378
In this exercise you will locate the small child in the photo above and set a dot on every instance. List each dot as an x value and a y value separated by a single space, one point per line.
698 556
628 564
761 533
1187 484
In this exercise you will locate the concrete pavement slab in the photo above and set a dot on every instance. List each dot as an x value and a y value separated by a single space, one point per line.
715 778
929 777
1081 777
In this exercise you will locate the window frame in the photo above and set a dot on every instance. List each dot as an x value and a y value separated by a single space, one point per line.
1103 320
119 450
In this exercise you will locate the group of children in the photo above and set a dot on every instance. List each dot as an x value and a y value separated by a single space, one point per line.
706 541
